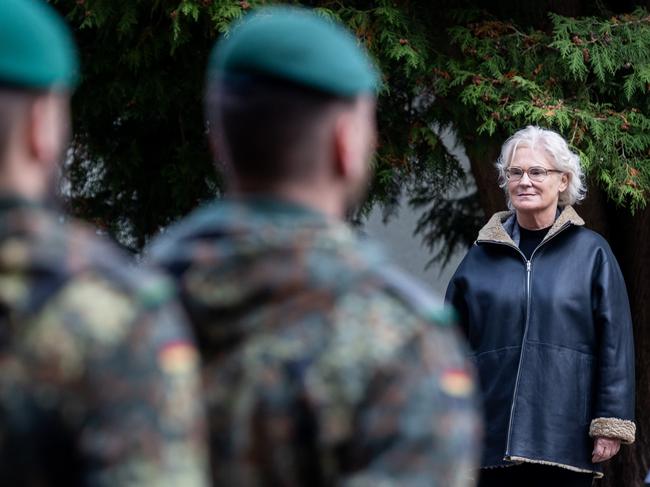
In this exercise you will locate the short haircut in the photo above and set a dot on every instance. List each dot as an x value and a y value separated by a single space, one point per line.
564 158
270 130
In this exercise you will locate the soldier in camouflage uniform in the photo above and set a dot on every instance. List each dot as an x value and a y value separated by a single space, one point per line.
323 364
98 376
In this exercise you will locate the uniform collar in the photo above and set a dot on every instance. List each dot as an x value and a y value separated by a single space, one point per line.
274 205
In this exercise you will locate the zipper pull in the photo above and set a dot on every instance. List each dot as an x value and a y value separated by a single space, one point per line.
527 266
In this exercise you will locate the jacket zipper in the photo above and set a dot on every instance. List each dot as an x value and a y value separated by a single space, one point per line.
521 355
523 340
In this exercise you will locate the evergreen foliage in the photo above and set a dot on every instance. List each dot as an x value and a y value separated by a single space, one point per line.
140 159
586 78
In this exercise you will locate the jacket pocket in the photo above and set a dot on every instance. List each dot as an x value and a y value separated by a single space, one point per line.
552 405
560 378
497 372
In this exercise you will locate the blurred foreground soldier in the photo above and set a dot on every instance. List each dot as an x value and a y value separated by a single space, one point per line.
323 364
98 378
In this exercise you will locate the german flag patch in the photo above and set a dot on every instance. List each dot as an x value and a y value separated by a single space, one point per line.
178 357
456 383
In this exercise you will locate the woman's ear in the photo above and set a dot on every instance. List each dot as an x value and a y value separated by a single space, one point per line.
564 181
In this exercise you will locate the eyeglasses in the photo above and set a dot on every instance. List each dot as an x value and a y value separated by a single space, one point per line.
535 173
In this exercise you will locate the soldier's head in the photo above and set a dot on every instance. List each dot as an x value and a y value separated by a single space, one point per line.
38 70
290 104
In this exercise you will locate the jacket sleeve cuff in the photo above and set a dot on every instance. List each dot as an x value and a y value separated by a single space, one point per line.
621 429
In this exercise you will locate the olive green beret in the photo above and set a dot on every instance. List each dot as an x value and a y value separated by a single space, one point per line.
36 47
299 46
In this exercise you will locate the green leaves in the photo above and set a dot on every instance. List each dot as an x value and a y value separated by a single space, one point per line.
140 159
581 79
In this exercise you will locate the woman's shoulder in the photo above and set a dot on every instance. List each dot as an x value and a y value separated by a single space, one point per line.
591 237
474 258
593 247
586 237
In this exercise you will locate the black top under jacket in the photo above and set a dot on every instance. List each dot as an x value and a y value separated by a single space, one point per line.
530 239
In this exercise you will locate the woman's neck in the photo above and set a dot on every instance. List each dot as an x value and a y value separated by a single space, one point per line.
537 220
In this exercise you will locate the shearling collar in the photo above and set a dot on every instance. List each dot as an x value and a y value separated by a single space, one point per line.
495 231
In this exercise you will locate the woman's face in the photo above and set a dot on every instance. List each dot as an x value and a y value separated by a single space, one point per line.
528 196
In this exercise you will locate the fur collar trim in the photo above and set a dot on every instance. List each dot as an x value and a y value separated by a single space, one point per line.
494 231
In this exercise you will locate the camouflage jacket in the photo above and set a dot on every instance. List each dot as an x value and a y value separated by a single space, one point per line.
98 377
322 364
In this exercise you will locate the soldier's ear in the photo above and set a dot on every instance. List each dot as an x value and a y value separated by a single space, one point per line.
210 133
347 145
355 139
48 128
341 145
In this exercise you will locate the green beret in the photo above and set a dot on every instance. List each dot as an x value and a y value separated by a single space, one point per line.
299 46
36 47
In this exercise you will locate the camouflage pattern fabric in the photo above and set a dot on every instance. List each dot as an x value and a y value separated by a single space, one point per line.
322 364
98 377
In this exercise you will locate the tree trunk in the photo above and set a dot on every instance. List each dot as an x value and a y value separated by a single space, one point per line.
482 156
568 8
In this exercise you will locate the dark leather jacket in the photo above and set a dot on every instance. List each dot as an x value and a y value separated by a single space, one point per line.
552 340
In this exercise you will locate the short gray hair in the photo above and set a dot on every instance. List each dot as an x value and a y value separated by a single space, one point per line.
554 144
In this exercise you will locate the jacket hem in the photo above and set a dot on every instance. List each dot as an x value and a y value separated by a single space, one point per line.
620 429
501 465
554 464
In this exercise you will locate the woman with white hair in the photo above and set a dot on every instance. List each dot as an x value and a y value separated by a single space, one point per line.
544 306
